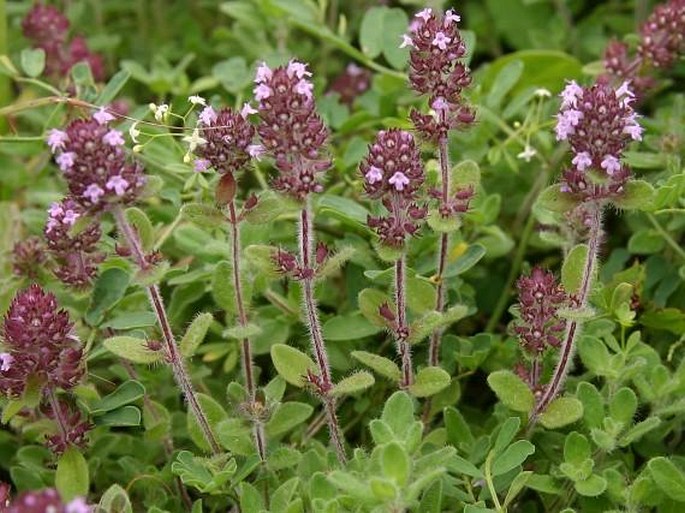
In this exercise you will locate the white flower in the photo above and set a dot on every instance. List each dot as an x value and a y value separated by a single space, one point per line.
542 93
133 132
197 100
527 154
194 140
160 111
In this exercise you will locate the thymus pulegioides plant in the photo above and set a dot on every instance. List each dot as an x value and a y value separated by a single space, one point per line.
342 259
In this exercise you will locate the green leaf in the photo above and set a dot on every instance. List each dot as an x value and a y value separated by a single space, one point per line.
593 404
71 477
152 275
669 478
195 334
360 380
592 486
461 466
395 23
574 268
371 31
250 499
576 449
561 412
512 457
429 381
352 326
369 301
126 416
115 500
638 431
128 392
431 502
421 294
441 224
292 364
286 417
506 79
511 390
432 321
335 262
108 290
132 349
554 200
395 463
142 225
348 211
113 87
233 74
636 195
130 320
595 355
383 366
473 254
33 61
223 291
269 207
623 406
506 434
214 413
517 486
206 216
398 413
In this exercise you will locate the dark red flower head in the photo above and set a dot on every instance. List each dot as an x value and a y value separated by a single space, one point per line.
27 257
435 69
290 129
91 155
45 24
38 343
393 172
663 34
540 298
227 139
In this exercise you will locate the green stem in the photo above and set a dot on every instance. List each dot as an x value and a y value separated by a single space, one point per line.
669 240
513 273
5 91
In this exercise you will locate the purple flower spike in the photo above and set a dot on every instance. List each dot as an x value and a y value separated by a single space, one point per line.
94 163
393 172
662 35
599 122
290 130
229 138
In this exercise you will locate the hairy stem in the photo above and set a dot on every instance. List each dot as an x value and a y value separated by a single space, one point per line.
402 330
175 359
306 243
167 442
573 327
441 296
246 345
61 423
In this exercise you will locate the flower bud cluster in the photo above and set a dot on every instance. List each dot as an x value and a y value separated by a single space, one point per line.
663 34
75 252
435 69
28 256
75 427
290 129
599 122
393 172
540 299
48 28
91 155
288 264
227 140
351 83
44 501
38 344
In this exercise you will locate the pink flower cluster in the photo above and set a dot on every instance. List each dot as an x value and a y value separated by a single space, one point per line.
437 49
393 172
48 28
227 140
598 121
91 156
290 130
44 501
76 253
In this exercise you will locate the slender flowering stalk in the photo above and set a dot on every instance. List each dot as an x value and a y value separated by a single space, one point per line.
436 70
294 135
598 122
227 146
393 173
91 155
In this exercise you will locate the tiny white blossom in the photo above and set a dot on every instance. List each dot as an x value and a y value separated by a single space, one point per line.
133 132
194 140
527 154
197 100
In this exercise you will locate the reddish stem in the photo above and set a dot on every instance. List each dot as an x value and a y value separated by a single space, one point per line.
403 346
306 249
175 359
246 353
